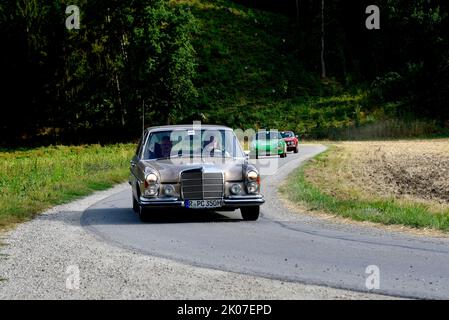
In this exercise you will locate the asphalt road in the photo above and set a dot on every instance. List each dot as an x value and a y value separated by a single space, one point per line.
281 244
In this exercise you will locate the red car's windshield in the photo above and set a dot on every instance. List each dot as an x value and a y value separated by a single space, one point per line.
287 134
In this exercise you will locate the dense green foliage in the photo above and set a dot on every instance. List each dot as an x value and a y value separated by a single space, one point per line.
220 62
36 179
262 69
65 82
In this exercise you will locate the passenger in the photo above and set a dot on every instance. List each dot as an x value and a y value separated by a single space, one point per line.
210 146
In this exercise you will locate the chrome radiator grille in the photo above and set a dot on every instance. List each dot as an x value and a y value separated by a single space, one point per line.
196 185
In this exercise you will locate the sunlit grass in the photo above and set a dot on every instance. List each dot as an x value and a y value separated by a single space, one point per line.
34 180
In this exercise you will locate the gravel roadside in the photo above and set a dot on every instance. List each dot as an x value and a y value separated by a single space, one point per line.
41 259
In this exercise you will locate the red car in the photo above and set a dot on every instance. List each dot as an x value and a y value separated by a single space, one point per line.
291 140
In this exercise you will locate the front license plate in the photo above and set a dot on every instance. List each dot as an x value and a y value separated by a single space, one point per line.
203 204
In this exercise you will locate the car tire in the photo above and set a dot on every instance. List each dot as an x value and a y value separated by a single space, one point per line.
297 149
141 211
284 155
143 214
250 213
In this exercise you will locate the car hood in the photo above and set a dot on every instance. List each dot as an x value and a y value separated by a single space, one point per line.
169 170
289 139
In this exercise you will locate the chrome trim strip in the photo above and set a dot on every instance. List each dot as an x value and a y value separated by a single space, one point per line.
252 197
243 202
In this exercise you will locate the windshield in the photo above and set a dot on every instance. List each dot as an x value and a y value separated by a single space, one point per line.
192 143
287 134
268 135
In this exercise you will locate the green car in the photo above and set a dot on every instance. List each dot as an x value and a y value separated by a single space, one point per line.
268 143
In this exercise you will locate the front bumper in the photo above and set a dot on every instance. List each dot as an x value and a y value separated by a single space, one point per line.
268 151
228 202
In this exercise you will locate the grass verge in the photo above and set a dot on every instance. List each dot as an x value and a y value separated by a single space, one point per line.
32 181
384 210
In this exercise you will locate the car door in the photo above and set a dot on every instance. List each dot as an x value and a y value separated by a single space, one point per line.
280 142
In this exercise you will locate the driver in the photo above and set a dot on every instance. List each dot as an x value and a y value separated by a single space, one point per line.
166 147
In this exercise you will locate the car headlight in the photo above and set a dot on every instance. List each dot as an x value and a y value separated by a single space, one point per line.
152 190
236 189
252 175
252 187
169 190
151 178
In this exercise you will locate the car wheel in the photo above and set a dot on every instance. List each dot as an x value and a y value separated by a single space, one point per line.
141 211
250 213
284 155
143 214
297 149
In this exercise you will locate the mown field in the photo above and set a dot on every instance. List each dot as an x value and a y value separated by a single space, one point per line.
393 182
36 179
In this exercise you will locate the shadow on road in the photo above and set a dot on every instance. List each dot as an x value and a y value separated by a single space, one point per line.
126 216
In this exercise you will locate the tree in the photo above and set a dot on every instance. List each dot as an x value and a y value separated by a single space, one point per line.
323 63
88 85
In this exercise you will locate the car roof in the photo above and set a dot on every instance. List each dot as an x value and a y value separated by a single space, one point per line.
186 127
268 131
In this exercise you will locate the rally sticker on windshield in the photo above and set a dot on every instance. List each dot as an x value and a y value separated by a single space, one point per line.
191 132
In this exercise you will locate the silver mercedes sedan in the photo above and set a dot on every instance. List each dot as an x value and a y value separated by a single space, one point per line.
193 168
